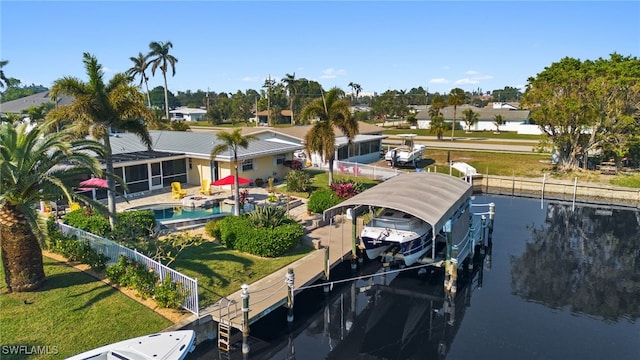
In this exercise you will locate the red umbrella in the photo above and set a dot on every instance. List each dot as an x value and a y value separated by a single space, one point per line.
230 180
92 183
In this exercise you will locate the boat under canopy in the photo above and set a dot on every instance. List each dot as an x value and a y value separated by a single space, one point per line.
432 197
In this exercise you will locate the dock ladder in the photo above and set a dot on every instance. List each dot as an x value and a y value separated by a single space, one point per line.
227 310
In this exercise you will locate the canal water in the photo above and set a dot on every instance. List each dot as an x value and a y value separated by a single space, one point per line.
559 282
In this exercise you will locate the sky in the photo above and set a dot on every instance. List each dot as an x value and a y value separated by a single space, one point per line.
225 46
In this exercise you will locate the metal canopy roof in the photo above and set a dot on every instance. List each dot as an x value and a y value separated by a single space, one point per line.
431 197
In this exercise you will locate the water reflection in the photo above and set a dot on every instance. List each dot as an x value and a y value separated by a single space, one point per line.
586 260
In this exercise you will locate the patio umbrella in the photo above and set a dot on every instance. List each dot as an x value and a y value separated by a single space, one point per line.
230 180
92 183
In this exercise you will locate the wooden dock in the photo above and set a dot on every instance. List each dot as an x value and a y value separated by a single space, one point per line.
271 292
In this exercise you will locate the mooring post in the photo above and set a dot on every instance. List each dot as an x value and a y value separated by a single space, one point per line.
245 318
289 280
482 236
447 262
453 268
354 240
492 213
472 249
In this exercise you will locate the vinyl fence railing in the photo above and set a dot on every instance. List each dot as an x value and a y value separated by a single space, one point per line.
368 171
114 250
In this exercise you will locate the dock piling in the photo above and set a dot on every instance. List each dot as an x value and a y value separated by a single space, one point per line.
245 319
289 280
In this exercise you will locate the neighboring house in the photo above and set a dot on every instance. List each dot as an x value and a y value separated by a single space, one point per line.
263 118
365 147
187 114
183 156
20 106
504 105
514 120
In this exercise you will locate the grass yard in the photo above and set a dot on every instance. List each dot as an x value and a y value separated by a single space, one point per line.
72 313
510 135
221 271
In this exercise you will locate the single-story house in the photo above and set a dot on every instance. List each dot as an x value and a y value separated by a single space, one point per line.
184 156
20 106
187 114
263 118
514 120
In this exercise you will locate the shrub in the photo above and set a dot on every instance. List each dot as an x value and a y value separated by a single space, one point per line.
321 200
86 220
212 228
298 181
133 226
76 250
267 216
169 294
132 274
239 233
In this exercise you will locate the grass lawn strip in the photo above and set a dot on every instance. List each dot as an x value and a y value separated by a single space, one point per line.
72 313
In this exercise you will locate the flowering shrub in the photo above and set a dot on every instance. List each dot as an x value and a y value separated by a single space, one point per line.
131 274
169 294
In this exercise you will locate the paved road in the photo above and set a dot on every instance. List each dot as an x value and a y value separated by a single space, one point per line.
480 144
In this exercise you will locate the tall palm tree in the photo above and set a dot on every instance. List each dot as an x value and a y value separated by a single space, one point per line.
332 110
159 57
437 125
139 68
232 141
470 118
3 78
36 165
291 84
456 97
99 108
356 88
498 120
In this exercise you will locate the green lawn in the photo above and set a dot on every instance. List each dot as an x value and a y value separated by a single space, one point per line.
221 271
72 313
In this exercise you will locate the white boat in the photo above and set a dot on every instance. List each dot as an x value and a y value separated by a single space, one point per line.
411 235
172 345
407 153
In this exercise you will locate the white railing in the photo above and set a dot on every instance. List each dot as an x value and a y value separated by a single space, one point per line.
113 251
368 171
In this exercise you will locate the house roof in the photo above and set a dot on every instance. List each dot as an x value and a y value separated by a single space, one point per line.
20 105
195 144
299 132
187 110
431 197
485 114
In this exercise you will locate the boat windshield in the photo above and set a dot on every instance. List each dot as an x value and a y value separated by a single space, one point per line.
396 224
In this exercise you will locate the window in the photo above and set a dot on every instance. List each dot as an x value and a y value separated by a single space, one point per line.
280 159
247 165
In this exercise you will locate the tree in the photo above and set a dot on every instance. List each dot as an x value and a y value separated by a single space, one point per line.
356 89
159 57
498 120
139 68
291 86
99 108
438 125
456 97
586 106
37 114
232 141
332 110
3 79
35 166
470 118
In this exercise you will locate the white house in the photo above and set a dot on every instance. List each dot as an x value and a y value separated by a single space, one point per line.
187 114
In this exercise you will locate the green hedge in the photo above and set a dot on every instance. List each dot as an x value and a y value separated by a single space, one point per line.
239 233
132 227
321 200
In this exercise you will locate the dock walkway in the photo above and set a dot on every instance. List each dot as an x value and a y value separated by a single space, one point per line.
270 292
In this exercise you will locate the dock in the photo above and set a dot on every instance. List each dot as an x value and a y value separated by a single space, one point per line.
271 292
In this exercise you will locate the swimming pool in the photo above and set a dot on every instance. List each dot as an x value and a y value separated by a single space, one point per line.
177 215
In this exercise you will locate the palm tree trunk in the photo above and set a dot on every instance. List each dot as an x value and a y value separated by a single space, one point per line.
146 84
331 161
236 191
166 96
453 125
21 252
111 196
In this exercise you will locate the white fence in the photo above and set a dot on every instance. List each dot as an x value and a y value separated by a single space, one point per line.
114 250
368 171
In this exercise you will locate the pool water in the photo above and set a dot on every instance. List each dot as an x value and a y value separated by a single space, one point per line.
167 212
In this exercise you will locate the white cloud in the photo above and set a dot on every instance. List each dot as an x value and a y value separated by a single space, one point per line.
332 73
471 72
446 67
483 77
250 79
466 81
439 81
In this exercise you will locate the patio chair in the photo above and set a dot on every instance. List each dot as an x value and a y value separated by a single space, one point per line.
205 189
176 191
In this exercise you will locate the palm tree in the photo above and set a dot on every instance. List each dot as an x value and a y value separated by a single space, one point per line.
438 125
356 88
498 120
139 68
292 87
98 109
456 97
35 166
232 141
3 79
470 118
332 110
159 57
